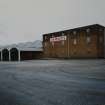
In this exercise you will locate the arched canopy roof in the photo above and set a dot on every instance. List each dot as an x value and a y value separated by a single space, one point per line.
27 49
22 49
5 49
28 46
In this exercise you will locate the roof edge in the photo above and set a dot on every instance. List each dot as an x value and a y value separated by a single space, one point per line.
86 26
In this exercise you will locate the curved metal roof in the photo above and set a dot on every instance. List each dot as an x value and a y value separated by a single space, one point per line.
28 46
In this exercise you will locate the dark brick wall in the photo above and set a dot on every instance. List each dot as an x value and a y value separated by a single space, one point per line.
30 55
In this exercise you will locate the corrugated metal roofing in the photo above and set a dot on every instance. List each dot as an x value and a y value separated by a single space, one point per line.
28 46
30 49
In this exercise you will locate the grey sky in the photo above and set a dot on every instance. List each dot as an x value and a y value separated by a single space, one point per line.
27 20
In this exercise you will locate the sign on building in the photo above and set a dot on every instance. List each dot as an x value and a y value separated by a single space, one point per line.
57 39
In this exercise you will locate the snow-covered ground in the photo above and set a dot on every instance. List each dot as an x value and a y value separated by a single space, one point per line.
52 82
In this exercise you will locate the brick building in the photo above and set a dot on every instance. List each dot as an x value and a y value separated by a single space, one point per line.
82 42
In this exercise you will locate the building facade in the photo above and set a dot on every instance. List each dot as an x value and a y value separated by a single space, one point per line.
20 54
82 42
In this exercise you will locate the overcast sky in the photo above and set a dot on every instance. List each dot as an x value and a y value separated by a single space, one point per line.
27 20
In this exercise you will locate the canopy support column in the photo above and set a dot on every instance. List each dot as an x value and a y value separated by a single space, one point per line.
9 56
19 59
1 56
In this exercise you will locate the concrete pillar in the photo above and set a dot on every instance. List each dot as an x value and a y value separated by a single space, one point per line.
104 42
1 56
9 55
19 59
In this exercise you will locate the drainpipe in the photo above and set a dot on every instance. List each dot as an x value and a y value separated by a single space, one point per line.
68 44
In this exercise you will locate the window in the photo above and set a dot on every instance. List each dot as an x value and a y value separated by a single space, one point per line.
74 33
63 34
74 38
88 37
88 40
75 41
62 42
88 30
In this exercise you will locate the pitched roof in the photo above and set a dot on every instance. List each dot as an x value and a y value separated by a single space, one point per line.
79 28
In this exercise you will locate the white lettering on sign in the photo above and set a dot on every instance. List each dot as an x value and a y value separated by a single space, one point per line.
57 39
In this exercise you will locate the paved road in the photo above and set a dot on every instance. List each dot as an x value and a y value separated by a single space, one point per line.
52 82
